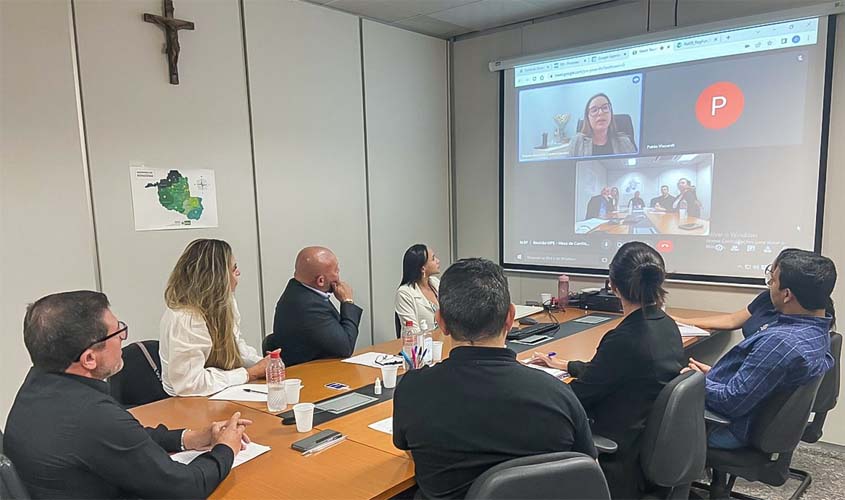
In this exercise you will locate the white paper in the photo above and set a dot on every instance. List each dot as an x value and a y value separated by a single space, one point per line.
554 372
369 359
692 331
591 320
523 311
173 198
237 393
252 450
385 426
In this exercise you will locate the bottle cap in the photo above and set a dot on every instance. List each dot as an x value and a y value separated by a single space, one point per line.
409 323
275 355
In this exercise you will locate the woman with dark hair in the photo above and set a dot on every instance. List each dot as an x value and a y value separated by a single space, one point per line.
599 134
632 364
416 298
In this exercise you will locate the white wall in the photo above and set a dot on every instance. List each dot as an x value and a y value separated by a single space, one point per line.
475 122
46 236
406 85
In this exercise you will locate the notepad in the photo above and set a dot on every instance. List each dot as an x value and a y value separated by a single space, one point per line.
692 331
591 320
252 450
523 311
237 393
369 359
385 426
554 372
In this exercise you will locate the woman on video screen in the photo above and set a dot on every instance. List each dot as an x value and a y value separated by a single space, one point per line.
598 134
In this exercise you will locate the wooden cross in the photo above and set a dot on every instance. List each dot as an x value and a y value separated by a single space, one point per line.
171 27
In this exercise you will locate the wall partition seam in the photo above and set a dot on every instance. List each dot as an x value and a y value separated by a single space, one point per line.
450 166
83 142
367 182
261 314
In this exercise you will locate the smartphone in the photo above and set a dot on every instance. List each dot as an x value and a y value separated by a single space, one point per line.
315 440
533 340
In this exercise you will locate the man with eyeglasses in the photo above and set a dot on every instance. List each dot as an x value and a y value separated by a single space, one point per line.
788 351
68 438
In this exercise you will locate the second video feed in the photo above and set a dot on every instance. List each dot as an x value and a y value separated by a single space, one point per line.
653 195
576 120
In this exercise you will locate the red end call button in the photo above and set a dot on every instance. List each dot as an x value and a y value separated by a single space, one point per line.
665 246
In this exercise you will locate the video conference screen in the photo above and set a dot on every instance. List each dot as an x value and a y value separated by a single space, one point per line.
706 147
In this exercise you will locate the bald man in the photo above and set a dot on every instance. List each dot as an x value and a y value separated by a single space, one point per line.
307 326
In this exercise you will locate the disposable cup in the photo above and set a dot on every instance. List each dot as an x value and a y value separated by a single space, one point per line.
304 415
437 350
388 375
292 388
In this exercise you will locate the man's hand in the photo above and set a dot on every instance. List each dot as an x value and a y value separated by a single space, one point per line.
342 291
203 438
259 370
696 366
543 359
231 433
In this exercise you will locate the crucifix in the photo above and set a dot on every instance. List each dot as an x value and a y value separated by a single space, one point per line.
171 27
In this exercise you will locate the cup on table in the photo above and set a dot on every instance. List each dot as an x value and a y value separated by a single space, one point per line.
437 350
388 375
545 299
292 388
304 415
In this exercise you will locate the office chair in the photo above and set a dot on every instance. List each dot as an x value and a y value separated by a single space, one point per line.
826 399
11 486
397 324
563 476
624 124
139 382
777 429
676 417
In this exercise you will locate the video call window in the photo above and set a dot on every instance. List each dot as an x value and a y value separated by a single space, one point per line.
576 120
644 196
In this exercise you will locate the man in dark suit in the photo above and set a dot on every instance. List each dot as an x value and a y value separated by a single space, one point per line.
306 325
600 205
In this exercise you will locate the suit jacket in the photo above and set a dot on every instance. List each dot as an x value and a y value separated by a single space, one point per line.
595 204
632 364
307 326
665 202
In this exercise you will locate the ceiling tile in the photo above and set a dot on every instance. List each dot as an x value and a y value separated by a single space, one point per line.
546 7
487 13
318 2
433 27
430 6
382 10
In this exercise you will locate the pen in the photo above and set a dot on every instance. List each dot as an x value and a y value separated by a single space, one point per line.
407 359
246 389
551 354
324 446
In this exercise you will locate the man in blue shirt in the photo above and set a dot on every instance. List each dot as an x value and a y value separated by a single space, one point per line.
786 352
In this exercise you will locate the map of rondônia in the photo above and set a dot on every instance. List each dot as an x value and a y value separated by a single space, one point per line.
175 194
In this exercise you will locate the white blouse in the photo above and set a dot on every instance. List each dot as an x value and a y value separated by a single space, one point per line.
411 304
184 346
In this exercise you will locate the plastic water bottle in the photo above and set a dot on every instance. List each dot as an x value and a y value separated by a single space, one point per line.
410 340
276 399
427 343
682 211
562 291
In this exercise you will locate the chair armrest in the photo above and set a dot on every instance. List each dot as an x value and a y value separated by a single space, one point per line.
713 418
604 446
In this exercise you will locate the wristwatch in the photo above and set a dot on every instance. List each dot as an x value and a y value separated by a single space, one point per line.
348 301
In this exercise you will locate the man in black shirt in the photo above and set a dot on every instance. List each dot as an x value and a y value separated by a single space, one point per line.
69 439
481 406
664 201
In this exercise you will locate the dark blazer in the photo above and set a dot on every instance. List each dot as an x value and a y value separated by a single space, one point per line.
595 204
307 326
665 201
617 388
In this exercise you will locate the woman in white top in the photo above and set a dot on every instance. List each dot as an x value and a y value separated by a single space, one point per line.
416 298
201 348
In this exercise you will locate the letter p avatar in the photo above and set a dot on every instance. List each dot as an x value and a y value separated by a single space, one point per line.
719 106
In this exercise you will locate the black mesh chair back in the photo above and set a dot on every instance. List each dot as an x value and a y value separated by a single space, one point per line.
397 324
139 382
779 423
563 476
828 394
674 443
11 486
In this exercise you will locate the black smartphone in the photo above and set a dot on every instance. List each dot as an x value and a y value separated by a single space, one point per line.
315 440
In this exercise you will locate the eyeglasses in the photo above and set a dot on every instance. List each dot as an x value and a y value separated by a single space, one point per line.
768 273
123 331
387 360
604 108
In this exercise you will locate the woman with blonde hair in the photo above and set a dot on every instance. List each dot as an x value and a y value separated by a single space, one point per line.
201 348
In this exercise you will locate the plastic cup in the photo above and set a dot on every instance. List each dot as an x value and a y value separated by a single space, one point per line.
292 388
388 375
304 415
545 299
437 350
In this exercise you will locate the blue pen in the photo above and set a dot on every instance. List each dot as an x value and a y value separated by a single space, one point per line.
407 359
551 354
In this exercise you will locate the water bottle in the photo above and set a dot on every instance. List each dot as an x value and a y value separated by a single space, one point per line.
276 400
427 343
410 340
682 211
562 291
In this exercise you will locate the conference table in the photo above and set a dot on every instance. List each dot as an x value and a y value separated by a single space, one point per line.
661 221
366 465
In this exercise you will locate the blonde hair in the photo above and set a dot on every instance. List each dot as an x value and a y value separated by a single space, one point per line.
201 281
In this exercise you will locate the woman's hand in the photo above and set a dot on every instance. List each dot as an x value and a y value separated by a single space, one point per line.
543 359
